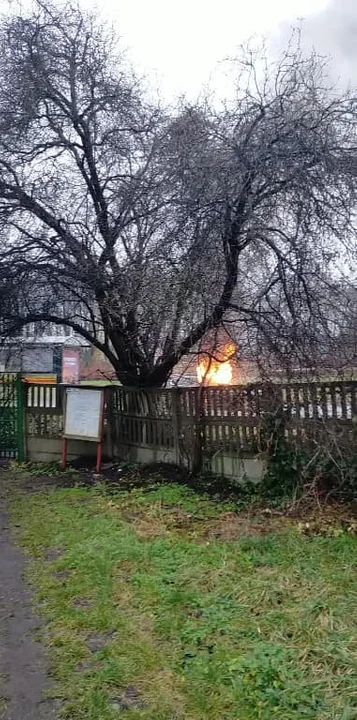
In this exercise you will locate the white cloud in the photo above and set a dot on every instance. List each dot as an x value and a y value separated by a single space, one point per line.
333 32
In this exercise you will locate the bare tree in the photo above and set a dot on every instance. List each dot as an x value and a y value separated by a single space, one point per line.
150 227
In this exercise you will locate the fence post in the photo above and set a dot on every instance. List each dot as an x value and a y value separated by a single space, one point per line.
20 389
197 462
175 409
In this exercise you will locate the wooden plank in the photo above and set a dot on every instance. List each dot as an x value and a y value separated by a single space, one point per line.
231 437
188 403
333 400
299 404
323 401
216 401
314 400
190 397
221 401
353 400
212 405
175 412
295 418
227 402
192 403
243 420
348 394
233 395
209 435
344 415
206 402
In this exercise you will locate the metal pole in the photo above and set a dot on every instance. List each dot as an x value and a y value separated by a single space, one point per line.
20 412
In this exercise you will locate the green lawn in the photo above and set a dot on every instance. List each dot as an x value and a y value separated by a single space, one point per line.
160 605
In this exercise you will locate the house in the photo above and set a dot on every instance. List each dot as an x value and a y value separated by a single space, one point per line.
40 349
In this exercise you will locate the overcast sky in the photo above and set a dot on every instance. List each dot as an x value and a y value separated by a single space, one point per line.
180 43
334 32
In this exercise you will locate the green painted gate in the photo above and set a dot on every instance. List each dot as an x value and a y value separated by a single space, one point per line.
11 417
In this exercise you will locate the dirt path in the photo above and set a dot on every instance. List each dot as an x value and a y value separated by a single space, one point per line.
23 677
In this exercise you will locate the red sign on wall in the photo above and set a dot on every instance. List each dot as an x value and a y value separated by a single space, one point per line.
70 366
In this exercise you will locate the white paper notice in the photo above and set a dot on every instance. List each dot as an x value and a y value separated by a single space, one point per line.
83 413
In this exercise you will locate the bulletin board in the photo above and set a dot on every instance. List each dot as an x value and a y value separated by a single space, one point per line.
83 418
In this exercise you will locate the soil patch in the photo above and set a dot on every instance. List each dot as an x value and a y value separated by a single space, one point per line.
231 526
129 701
96 643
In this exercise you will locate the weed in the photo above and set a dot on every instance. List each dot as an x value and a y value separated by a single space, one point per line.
40 469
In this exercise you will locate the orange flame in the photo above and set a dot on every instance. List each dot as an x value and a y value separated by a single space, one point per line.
212 371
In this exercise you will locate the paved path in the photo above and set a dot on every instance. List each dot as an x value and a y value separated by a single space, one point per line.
23 678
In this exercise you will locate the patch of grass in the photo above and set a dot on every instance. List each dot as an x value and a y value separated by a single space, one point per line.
155 612
39 469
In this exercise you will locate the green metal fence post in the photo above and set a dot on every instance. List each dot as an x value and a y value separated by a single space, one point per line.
20 419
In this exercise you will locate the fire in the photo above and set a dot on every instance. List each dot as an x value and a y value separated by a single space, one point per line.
212 371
